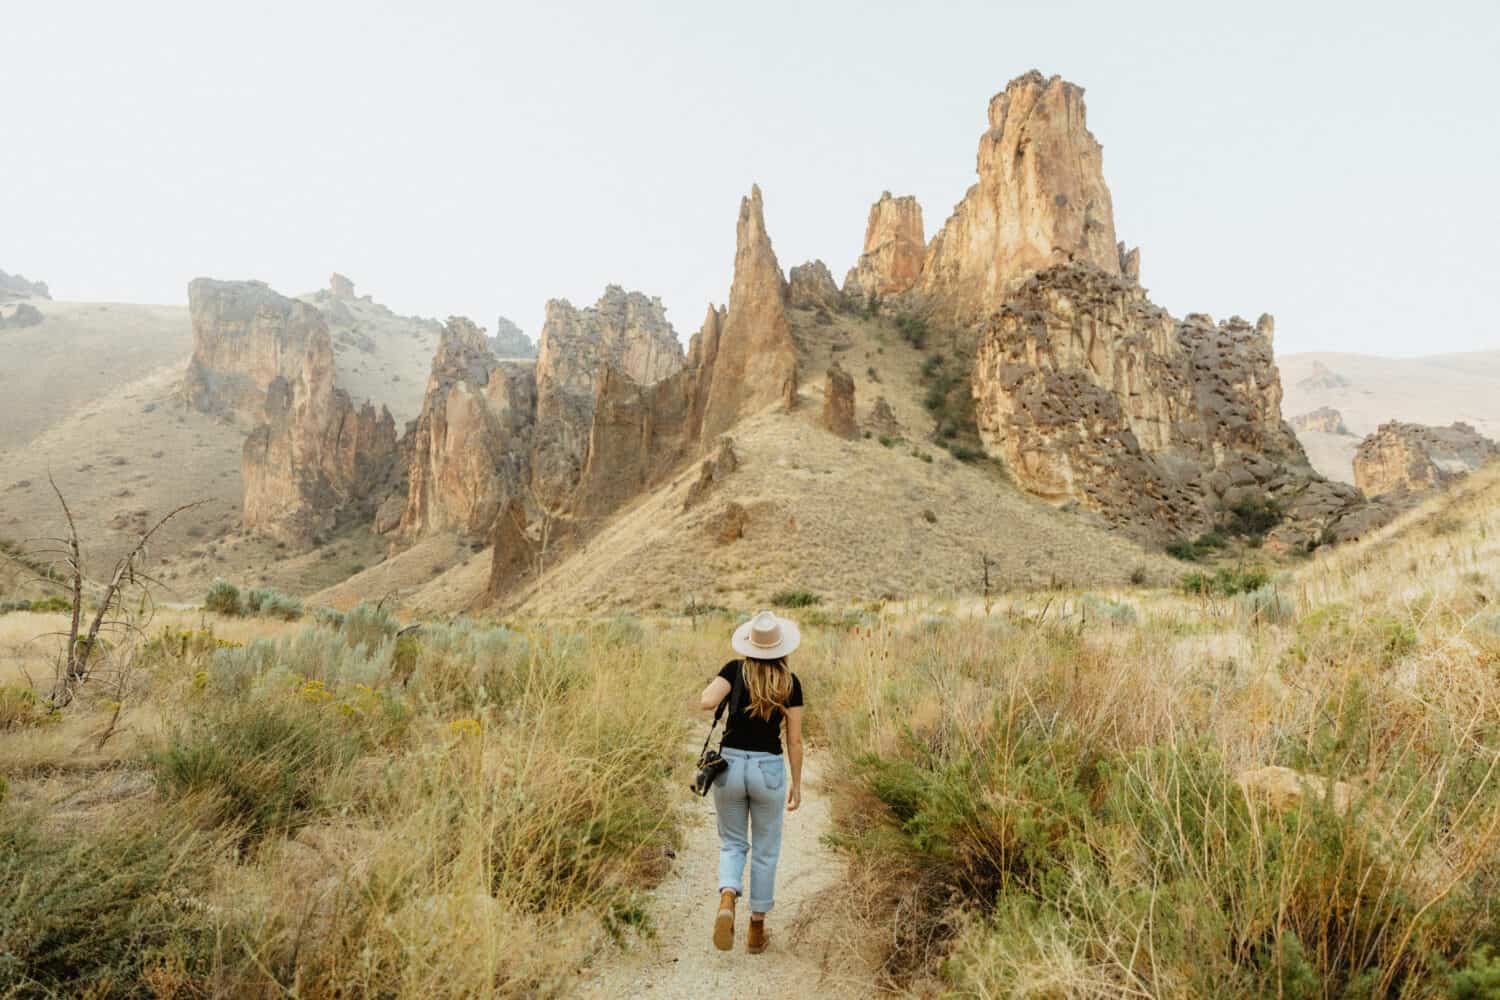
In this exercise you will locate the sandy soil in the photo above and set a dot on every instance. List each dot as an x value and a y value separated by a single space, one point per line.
681 962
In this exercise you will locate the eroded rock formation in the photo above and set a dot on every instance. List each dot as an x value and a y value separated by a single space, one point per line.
317 460
894 250
1323 420
1092 394
838 403
470 450
624 331
245 336
340 287
1041 200
810 286
755 365
711 474
1412 459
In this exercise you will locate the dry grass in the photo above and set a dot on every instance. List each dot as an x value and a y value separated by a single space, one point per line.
369 808
1047 801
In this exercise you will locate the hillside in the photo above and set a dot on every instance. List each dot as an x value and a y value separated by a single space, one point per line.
80 352
843 519
1369 390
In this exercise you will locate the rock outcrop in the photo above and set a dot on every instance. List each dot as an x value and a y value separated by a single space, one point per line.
513 551
882 419
23 315
894 250
245 337
624 331
510 342
838 403
470 447
1091 394
711 474
1323 420
317 460
755 365
14 286
1040 201
810 286
340 287
1409 460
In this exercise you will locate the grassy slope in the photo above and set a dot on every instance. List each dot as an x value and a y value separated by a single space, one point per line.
844 519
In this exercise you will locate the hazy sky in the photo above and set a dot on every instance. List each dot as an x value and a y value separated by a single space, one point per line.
1332 163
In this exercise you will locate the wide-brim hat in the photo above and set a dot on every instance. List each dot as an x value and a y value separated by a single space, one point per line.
766 636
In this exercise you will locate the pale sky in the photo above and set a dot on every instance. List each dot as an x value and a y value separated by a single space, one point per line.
1333 163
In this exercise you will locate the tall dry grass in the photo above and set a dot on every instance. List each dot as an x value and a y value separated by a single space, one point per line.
1063 800
336 810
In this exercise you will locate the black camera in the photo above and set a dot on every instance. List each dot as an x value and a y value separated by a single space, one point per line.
710 766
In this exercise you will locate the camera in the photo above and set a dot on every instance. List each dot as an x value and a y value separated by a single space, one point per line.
710 766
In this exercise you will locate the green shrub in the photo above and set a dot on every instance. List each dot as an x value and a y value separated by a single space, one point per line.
966 454
1198 549
795 599
262 764
1224 582
328 617
1093 608
20 708
889 441
223 598
91 912
913 330
1265 605
272 603
368 625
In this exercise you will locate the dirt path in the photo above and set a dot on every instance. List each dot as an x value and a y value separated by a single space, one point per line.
681 962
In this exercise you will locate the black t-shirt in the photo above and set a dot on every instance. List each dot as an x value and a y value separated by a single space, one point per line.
744 731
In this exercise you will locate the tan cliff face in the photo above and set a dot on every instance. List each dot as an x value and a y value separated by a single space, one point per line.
1040 200
1091 394
755 365
317 460
245 336
894 249
625 331
1413 459
470 446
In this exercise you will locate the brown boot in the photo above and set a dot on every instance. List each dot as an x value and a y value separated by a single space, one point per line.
724 922
759 937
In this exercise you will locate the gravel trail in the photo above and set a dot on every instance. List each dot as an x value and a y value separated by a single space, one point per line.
681 963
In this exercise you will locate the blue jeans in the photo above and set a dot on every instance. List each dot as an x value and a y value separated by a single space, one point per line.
751 799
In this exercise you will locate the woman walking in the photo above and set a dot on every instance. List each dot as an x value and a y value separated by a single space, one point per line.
753 791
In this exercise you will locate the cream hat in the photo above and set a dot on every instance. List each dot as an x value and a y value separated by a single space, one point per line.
766 637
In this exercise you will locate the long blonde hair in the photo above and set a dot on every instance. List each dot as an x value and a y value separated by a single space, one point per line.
769 684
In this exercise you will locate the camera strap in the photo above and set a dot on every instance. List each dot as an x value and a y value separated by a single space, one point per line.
727 703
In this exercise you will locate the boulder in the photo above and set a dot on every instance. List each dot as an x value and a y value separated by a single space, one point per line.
23 315
882 419
513 550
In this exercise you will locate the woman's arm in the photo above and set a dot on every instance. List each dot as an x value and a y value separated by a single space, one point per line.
794 754
716 691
